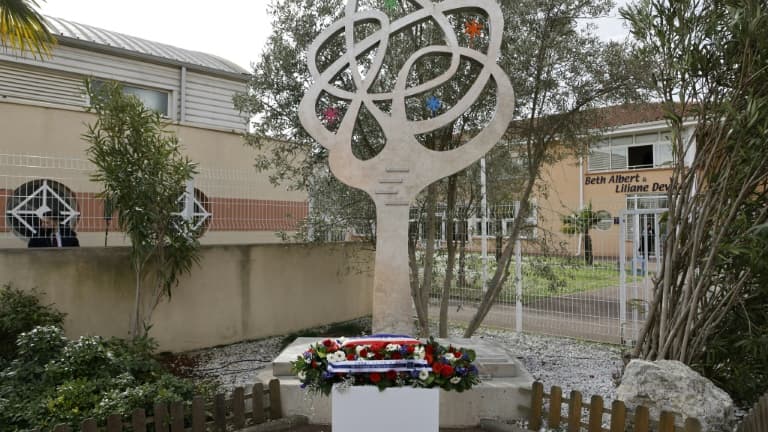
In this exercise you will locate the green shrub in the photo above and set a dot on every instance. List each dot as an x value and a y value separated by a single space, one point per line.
21 312
53 380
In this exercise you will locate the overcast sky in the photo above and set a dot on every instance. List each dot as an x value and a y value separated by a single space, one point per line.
233 29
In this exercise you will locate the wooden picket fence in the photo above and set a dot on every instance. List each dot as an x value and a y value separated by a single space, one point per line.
199 416
617 412
757 419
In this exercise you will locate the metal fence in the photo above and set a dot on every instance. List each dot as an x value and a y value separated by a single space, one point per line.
228 205
554 287
593 283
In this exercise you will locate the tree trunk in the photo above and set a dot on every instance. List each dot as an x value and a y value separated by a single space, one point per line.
588 257
392 304
451 258
136 327
462 272
429 257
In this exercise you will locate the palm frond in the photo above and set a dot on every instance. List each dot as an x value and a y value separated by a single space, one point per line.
23 28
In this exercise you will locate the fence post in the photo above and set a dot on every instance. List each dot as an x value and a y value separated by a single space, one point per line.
198 414
537 400
618 416
555 406
692 425
220 412
177 416
596 414
641 419
667 422
89 425
275 404
114 423
161 417
574 412
139 420
238 407
257 403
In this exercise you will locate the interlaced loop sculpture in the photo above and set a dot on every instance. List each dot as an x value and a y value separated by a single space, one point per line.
404 167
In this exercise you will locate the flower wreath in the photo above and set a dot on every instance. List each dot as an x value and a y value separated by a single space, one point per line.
385 361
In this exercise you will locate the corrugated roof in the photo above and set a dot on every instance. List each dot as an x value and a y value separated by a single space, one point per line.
114 40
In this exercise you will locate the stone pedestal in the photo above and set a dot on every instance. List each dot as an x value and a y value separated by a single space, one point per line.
504 393
365 408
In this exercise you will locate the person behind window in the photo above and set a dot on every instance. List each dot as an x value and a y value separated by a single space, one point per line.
649 237
53 234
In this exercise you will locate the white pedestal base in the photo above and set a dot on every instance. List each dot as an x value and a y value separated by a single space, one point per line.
365 408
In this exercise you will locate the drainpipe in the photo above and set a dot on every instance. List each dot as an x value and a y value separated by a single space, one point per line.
581 200
183 95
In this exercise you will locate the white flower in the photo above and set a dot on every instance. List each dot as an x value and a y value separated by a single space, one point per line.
455 380
302 375
393 347
360 348
418 353
337 356
371 355
450 357
423 374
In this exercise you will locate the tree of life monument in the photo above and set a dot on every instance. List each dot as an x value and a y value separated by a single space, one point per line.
404 166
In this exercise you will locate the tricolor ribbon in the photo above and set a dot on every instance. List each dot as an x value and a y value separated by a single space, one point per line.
368 366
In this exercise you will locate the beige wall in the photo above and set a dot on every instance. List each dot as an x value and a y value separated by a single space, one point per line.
605 190
55 131
237 293
225 162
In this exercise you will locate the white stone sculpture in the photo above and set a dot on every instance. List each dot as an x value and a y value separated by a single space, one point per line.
404 167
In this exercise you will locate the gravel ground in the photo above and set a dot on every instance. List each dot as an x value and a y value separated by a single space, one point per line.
569 363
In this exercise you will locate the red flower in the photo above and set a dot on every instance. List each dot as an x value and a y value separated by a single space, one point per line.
429 358
446 371
379 356
437 367
314 364
375 377
391 375
429 349
350 357
364 353
396 355
327 342
409 349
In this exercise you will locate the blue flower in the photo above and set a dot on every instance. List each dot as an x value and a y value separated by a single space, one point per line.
434 104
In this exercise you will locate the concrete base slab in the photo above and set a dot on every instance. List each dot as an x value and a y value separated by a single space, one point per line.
503 394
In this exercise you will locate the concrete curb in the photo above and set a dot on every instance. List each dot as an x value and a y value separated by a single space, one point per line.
279 425
497 426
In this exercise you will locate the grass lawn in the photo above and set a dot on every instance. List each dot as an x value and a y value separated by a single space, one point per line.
541 276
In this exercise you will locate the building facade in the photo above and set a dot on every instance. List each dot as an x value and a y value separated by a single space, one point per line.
43 163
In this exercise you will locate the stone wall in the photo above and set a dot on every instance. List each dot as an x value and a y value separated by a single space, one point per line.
236 293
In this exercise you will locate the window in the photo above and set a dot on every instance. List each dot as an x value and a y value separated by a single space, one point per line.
153 99
650 150
501 218
156 100
38 198
643 202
